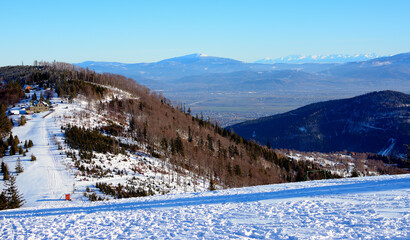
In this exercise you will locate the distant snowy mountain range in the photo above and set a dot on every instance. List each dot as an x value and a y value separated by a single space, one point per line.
332 58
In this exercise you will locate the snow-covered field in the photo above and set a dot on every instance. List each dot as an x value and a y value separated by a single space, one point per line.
356 208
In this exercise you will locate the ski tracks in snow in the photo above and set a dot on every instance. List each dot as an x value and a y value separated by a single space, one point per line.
45 180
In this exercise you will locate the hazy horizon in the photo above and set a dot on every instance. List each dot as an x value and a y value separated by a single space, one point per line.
133 31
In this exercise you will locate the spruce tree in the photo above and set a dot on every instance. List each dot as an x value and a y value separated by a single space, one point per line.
5 171
13 149
210 142
5 125
3 166
15 199
21 150
19 167
3 201
189 134
10 140
16 140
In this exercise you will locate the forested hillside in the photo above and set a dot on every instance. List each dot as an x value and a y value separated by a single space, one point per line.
377 122
158 128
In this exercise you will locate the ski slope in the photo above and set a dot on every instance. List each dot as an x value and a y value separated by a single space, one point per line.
355 208
46 179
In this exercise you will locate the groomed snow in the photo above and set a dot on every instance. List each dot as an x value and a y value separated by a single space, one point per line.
356 208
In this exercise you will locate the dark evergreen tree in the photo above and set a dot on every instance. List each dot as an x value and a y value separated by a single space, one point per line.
15 199
16 140
5 171
3 166
30 143
3 201
5 125
179 146
210 142
189 134
23 120
21 150
10 140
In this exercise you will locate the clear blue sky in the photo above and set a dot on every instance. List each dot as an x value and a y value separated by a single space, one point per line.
146 31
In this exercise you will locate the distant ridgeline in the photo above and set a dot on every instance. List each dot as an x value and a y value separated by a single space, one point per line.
377 122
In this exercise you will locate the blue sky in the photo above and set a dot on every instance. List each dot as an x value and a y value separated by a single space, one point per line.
146 31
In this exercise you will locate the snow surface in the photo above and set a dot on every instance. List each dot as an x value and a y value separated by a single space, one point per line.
355 208
45 179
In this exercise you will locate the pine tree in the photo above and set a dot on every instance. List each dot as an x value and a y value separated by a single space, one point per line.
33 158
19 167
30 143
3 166
10 140
189 134
5 125
5 171
16 140
23 120
15 199
3 201
179 145
21 150
210 143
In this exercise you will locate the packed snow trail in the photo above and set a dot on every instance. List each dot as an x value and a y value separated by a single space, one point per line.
46 179
370 207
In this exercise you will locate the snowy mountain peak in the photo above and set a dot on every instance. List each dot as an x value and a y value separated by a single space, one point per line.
194 55
332 58
187 57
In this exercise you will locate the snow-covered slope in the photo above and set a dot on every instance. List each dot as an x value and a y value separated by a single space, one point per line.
356 208
54 173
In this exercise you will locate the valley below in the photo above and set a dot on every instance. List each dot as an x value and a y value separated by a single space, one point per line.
230 91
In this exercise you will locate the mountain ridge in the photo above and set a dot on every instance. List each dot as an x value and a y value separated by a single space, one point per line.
213 81
330 58
365 123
